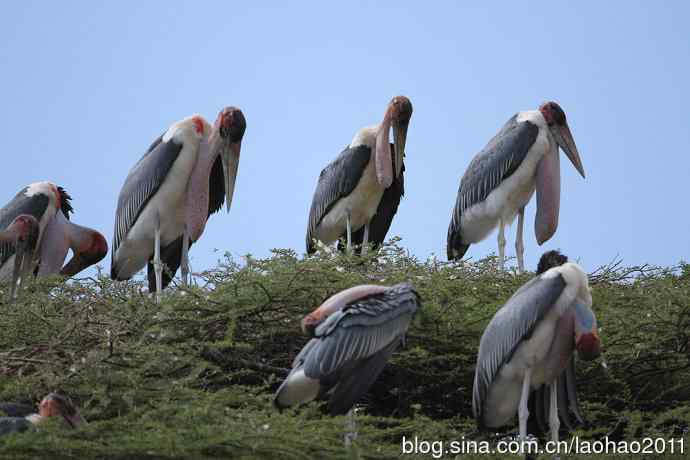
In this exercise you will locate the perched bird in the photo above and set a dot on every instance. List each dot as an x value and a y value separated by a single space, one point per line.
358 194
500 181
538 406
21 417
20 237
528 348
50 206
183 178
353 334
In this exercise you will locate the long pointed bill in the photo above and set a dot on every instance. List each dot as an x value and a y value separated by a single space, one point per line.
231 162
399 138
565 140
384 166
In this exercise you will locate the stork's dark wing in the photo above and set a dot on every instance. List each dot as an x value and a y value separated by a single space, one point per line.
35 206
512 323
359 379
360 330
141 184
568 403
388 207
336 181
16 409
216 187
9 425
496 162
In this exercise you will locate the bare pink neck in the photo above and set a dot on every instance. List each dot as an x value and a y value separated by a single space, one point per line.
197 191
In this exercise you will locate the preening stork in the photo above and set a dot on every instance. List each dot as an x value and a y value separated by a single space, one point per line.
500 181
528 346
21 237
21 417
353 334
358 194
183 178
50 206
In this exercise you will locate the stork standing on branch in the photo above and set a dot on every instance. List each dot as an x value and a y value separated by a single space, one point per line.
357 195
528 348
168 196
500 181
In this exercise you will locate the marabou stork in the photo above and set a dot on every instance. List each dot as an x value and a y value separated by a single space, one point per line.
528 346
50 206
358 194
184 177
21 417
353 334
501 179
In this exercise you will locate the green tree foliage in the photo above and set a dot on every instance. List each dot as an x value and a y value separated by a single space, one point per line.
193 377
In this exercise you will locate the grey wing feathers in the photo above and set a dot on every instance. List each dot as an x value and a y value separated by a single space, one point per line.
337 180
497 161
9 425
141 184
512 323
358 381
361 330
21 204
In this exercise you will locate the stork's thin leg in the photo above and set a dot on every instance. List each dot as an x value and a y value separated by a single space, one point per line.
519 245
157 264
365 239
501 245
350 428
523 412
554 422
349 234
184 264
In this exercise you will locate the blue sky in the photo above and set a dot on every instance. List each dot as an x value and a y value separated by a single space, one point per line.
85 88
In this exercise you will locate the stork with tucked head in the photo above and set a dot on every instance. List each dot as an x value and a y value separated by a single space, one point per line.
168 196
500 181
357 195
50 207
528 347
354 333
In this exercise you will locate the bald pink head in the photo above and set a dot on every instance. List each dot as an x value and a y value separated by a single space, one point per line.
231 124
55 405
